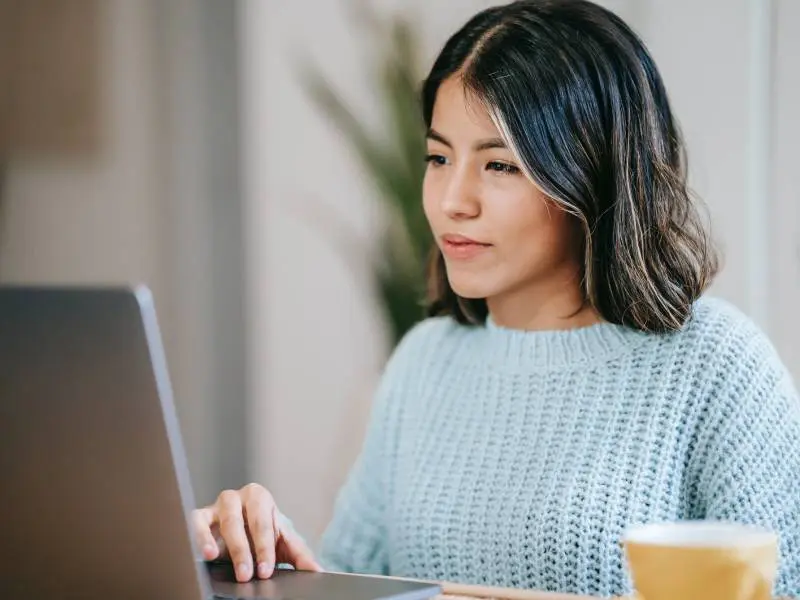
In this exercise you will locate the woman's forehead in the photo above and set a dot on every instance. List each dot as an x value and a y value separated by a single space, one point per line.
461 114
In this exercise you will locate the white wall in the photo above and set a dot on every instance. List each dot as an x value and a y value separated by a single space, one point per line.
783 233
201 212
315 337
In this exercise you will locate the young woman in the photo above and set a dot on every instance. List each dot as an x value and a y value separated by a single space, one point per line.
572 379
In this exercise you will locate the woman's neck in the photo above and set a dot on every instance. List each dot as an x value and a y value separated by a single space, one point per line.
552 306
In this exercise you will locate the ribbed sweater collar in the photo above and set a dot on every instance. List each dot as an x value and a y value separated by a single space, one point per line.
549 349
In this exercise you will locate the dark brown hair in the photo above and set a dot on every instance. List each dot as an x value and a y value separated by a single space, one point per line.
579 100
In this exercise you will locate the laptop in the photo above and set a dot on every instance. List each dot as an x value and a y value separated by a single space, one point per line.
95 496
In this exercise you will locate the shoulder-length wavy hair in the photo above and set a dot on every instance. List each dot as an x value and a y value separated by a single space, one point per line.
579 100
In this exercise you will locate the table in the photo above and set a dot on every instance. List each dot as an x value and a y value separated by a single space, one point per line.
452 591
459 591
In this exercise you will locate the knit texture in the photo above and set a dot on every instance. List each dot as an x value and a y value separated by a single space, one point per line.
510 458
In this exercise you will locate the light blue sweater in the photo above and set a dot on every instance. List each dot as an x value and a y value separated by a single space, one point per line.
512 458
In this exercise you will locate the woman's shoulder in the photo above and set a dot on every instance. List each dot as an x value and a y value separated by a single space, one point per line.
427 339
418 357
735 344
710 311
720 323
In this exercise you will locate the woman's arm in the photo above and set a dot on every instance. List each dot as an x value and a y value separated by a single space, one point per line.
355 539
749 456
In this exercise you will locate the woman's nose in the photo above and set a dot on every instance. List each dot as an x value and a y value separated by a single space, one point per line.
460 200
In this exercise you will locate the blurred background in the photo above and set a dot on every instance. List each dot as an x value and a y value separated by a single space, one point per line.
255 162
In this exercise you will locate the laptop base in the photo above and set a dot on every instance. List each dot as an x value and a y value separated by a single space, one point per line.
288 584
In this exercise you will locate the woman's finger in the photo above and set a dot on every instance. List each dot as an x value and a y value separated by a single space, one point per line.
259 509
232 527
295 551
202 520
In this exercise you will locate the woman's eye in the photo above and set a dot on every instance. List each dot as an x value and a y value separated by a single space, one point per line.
501 167
435 160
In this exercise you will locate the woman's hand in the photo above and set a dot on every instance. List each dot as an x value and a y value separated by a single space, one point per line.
243 526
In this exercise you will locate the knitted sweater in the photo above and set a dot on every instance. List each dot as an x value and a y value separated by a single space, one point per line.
511 458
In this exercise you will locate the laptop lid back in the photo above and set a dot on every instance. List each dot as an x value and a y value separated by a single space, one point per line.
93 486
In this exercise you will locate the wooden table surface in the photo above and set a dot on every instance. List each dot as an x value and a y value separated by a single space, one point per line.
453 591
458 591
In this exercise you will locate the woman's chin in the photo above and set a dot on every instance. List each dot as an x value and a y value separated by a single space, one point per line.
468 288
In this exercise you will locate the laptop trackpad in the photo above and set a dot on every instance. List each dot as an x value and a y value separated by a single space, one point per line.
304 585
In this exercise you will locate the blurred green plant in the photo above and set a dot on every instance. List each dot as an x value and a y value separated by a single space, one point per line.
392 158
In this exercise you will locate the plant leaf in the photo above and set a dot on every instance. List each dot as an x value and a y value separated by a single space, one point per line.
393 160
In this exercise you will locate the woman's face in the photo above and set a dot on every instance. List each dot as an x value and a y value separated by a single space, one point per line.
499 233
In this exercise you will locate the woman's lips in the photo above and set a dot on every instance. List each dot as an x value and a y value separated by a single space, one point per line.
460 247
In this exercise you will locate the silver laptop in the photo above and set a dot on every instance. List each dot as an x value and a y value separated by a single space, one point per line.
95 496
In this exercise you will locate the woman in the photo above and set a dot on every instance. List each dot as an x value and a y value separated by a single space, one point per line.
571 380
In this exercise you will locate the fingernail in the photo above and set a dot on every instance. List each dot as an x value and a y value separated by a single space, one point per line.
208 551
263 570
244 571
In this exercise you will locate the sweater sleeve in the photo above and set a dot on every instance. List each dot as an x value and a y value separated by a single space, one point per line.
353 542
750 470
355 539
